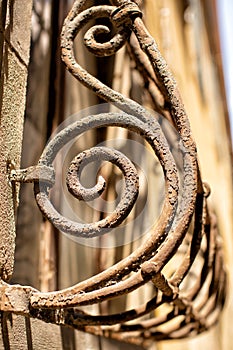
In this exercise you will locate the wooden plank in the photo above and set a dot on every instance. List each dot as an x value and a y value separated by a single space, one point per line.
183 38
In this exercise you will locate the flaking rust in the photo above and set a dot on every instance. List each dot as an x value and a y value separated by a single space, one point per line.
191 313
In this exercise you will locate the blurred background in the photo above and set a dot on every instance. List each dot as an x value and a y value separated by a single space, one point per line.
225 10
195 38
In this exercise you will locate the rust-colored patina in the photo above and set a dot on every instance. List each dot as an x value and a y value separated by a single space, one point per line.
183 204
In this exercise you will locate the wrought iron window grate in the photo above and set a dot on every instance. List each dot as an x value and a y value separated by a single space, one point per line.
183 303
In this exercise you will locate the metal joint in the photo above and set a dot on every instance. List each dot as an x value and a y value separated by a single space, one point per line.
36 173
125 14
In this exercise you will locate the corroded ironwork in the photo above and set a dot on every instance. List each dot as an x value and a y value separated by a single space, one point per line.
185 221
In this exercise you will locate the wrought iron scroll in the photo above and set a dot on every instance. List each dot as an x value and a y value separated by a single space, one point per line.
192 310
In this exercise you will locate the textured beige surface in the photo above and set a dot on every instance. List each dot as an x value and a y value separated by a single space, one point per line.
14 57
184 39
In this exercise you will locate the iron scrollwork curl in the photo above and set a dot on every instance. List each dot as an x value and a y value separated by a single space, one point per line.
172 230
149 131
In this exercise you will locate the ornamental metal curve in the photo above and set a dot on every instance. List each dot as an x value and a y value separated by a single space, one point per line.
185 312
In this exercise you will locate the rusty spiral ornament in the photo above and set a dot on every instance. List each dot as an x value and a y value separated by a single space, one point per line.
150 130
186 228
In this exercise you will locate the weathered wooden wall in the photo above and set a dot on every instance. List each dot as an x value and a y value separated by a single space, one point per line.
187 35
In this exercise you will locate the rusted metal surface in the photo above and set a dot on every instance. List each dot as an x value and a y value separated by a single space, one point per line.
151 133
186 227
32 174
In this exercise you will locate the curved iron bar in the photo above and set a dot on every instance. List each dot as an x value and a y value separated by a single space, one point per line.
150 132
76 294
169 89
145 263
70 30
